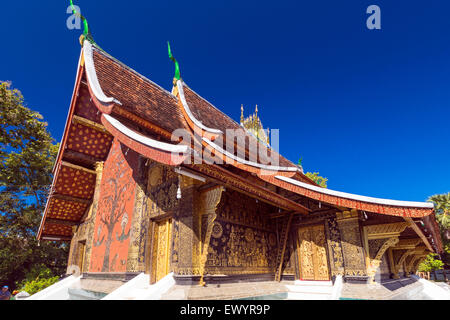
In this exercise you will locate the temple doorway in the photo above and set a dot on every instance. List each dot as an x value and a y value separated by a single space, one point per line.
161 249
80 255
312 253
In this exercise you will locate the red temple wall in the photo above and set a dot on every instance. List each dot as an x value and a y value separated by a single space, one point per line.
115 209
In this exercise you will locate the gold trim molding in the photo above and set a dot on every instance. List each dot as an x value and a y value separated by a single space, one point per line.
388 230
407 244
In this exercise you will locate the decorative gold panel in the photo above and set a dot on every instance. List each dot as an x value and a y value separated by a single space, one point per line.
334 247
161 249
313 254
352 247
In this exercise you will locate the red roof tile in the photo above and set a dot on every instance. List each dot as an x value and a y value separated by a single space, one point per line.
138 94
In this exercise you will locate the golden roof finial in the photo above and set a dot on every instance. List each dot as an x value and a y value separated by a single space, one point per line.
242 114
256 110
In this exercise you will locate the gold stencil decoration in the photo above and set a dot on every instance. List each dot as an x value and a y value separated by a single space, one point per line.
353 252
217 231
155 178
334 247
249 235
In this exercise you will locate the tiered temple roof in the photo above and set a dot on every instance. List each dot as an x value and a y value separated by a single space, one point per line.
111 100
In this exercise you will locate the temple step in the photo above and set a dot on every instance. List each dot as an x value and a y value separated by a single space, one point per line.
307 296
313 283
140 289
310 290
81 294
105 286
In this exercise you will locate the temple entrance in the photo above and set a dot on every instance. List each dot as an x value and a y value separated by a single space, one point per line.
161 249
80 255
312 253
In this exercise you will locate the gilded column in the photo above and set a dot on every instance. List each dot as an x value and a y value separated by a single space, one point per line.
135 261
352 247
408 263
334 247
392 265
186 240
377 248
398 256
93 214
402 261
209 199
418 253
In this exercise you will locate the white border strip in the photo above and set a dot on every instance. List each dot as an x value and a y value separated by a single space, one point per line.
189 113
92 75
250 163
145 140
396 203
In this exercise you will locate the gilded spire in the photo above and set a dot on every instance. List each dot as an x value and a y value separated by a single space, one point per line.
253 125
256 124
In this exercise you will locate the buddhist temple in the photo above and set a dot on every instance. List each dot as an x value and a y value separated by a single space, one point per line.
143 184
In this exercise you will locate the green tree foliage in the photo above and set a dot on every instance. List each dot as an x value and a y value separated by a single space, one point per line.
442 210
27 154
321 181
37 285
431 264
39 278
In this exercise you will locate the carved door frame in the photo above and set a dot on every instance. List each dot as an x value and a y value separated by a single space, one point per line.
325 259
81 255
152 266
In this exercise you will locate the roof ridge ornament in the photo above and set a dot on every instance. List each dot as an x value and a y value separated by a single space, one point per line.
86 32
177 65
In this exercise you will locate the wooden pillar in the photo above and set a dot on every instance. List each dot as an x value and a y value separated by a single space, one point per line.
392 265
408 263
355 269
285 231
403 258
186 231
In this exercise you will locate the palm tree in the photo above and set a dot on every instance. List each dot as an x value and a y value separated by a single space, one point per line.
442 206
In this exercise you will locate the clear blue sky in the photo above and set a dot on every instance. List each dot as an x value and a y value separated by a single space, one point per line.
369 109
